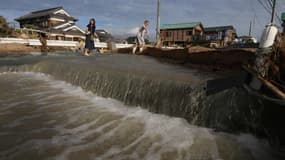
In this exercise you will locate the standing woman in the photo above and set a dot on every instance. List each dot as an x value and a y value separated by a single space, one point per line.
90 35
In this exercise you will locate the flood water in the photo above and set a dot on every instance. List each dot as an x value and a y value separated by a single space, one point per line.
124 107
43 118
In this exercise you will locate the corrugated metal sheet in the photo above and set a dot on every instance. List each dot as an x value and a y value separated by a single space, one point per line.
39 13
180 25
219 28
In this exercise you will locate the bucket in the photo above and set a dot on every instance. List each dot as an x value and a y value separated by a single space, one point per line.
268 36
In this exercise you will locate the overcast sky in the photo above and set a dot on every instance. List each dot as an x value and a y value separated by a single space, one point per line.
124 16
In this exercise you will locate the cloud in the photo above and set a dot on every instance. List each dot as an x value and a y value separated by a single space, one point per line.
133 30
125 15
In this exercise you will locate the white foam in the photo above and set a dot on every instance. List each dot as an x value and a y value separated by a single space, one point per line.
174 132
259 148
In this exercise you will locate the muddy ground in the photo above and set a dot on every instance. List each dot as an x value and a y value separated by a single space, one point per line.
12 49
213 59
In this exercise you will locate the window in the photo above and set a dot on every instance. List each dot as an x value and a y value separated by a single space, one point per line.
45 24
168 34
189 33
177 35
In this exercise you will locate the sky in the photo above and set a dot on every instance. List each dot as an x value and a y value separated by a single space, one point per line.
123 17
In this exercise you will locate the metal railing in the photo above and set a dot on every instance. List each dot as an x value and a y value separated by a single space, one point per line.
58 43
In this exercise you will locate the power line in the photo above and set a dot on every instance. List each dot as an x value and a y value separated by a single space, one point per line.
283 3
277 15
268 5
255 14
264 6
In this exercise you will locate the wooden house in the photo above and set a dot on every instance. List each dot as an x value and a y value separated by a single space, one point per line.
59 24
181 34
220 36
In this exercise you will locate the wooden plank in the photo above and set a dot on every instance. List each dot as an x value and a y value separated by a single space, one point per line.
267 84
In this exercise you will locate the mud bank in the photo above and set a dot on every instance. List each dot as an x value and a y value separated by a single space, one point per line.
214 59
13 49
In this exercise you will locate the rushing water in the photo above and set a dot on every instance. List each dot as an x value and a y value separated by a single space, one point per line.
42 118
124 107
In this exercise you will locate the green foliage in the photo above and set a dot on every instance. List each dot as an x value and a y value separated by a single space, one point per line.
131 40
4 28
147 41
3 22
283 16
18 31
30 26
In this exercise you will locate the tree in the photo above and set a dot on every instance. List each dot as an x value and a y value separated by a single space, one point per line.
4 28
131 40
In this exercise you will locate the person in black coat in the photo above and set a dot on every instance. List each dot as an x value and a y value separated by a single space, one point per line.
90 35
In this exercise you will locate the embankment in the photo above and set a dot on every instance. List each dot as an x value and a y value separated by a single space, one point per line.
213 59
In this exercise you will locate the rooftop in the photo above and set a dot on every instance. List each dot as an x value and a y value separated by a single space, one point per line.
43 13
48 10
219 28
180 25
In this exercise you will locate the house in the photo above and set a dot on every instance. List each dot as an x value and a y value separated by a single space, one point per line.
59 24
103 35
220 36
283 20
181 33
246 39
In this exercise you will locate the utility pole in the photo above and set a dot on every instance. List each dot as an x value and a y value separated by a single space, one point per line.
273 11
158 24
250 26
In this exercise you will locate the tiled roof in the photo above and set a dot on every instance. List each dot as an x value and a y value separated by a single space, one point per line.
47 10
45 13
39 13
62 17
180 25
71 32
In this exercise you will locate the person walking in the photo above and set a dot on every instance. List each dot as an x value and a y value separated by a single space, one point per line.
43 41
142 33
90 35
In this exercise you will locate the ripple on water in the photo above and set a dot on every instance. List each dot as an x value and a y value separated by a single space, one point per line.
50 119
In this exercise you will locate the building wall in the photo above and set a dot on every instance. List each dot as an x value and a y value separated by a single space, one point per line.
41 23
180 36
53 23
219 37
37 23
174 36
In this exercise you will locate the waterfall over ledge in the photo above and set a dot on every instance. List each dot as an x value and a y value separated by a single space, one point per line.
160 88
